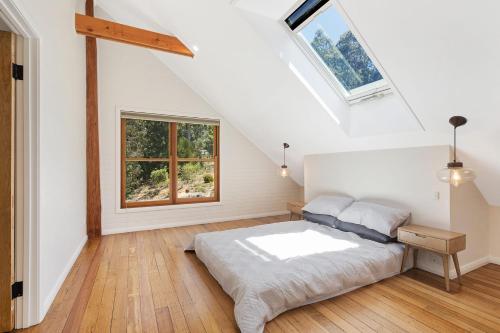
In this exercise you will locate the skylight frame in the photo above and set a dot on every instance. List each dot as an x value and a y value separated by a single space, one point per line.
367 92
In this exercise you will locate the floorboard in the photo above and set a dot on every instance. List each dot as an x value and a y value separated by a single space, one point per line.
144 282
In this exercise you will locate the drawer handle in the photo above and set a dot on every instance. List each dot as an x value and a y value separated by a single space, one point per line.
420 236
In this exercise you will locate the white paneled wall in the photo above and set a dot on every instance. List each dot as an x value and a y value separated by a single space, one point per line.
250 182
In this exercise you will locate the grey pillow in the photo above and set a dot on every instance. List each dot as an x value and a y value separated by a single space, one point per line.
328 204
364 232
358 229
327 220
384 219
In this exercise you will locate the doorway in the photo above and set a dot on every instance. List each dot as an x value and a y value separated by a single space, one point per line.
19 246
7 179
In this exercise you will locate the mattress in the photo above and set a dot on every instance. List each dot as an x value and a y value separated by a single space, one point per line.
271 268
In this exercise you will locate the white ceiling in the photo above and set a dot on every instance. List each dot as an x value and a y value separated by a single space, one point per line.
441 57
3 25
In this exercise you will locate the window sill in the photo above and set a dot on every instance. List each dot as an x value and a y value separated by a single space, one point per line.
167 207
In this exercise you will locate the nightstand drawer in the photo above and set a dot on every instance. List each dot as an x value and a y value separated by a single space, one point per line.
427 242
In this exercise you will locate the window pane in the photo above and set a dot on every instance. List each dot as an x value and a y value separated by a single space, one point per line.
195 140
146 138
331 39
196 180
146 181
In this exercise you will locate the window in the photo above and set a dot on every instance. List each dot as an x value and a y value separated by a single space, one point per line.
329 42
168 160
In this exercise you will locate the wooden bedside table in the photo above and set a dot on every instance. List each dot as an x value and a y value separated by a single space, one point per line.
295 208
443 242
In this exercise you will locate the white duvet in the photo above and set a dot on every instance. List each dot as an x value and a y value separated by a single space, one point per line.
272 268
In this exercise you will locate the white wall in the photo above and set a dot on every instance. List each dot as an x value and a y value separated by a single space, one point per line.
406 177
250 182
494 217
470 215
61 141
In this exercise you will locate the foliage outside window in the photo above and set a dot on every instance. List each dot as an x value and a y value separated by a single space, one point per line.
334 46
168 162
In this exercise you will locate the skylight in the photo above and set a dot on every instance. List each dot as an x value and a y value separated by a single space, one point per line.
328 41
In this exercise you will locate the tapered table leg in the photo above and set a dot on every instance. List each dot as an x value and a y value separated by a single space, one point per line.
457 267
415 257
405 255
446 271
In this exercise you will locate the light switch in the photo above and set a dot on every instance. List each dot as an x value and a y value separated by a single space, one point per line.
437 195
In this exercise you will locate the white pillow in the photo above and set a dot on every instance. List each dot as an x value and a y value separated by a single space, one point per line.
328 205
383 219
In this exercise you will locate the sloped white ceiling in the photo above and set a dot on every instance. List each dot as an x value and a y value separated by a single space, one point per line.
440 55
3 25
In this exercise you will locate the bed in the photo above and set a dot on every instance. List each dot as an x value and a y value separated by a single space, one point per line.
269 269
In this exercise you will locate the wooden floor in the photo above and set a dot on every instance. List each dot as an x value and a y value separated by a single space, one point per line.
144 282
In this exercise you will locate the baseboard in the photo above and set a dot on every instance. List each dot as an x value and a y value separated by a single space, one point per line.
495 260
119 230
430 268
60 280
464 269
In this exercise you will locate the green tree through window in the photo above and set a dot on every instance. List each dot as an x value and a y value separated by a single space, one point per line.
150 157
346 59
339 50
195 152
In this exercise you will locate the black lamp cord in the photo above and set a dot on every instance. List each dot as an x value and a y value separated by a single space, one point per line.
455 144
284 149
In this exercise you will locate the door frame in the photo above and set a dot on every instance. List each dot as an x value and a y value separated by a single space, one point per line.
28 308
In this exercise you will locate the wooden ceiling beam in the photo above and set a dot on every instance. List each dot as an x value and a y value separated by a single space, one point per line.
99 28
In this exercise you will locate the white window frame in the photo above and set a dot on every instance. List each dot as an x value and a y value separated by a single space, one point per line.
367 92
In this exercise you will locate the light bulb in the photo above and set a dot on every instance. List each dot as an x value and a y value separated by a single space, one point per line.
455 175
284 171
